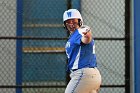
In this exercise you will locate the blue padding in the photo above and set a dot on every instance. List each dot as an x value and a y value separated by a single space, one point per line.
19 47
137 45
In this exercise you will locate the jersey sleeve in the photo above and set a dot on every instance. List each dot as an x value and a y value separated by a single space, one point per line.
77 39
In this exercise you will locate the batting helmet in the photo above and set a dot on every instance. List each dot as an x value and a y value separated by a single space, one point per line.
72 13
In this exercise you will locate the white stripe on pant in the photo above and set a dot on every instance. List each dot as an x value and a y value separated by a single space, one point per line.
85 80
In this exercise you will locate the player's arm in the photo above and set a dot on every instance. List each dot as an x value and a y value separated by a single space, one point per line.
87 37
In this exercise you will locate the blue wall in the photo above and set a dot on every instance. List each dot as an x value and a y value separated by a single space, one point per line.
137 44
43 66
34 67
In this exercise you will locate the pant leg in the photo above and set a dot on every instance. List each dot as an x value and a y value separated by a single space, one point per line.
84 81
76 76
93 91
90 82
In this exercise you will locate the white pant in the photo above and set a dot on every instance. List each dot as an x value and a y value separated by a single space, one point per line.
85 80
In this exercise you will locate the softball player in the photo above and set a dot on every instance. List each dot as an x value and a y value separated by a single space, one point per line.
80 50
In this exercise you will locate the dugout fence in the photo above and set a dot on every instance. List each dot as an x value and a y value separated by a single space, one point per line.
32 40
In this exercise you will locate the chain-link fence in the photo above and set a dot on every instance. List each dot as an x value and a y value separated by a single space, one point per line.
32 40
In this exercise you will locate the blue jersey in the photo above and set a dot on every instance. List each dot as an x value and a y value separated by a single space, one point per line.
80 55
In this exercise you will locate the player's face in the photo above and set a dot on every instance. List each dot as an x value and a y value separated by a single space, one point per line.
72 24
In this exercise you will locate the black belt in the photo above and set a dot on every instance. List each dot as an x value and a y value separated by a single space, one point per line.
74 69
77 69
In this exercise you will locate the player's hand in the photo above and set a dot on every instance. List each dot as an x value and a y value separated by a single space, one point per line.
85 30
87 35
